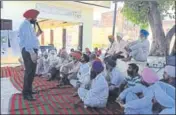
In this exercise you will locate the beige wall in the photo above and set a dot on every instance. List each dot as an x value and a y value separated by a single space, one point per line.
14 10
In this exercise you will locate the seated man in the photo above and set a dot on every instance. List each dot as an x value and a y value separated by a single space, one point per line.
139 50
169 75
112 48
43 64
55 71
69 71
53 59
87 51
114 78
133 76
97 95
83 75
120 51
135 103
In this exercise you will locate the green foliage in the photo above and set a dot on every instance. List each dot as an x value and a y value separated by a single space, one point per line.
137 11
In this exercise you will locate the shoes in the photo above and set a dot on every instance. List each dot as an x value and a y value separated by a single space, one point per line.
29 98
34 92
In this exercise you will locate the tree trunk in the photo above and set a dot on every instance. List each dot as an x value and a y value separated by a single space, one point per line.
159 45
169 37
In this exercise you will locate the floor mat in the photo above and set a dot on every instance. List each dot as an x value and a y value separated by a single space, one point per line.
38 84
7 71
55 101
50 100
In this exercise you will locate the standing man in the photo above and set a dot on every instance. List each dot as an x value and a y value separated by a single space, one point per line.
29 45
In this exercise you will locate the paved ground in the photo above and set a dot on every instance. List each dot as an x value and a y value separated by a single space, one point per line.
7 90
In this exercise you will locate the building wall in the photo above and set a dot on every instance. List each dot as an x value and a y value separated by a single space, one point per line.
14 10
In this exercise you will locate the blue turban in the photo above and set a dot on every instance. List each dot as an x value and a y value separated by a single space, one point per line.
97 66
144 32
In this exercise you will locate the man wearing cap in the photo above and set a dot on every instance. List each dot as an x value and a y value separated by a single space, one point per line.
112 48
29 45
139 50
98 93
169 75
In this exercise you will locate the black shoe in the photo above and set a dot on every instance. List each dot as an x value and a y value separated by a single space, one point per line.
28 98
34 92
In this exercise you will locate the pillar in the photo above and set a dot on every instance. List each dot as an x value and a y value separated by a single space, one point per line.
80 39
51 37
43 39
64 37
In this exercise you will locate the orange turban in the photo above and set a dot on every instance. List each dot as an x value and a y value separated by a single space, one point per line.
32 13
110 37
76 54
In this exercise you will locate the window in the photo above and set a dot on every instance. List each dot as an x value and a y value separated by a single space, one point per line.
6 24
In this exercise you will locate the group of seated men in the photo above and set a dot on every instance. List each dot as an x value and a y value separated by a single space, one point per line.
98 82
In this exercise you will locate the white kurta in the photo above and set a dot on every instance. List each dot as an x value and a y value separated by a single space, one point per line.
112 48
83 75
98 94
121 46
43 65
116 78
163 93
140 50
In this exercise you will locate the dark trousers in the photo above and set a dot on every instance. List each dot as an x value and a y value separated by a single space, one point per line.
54 73
29 74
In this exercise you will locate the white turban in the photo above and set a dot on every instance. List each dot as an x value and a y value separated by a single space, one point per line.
120 35
170 70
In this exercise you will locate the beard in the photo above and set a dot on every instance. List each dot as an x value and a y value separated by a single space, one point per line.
32 21
130 73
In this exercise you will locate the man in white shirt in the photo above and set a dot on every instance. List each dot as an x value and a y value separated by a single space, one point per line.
114 78
139 50
70 70
98 93
112 48
83 75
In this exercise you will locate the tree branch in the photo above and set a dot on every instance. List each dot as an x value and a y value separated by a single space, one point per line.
170 33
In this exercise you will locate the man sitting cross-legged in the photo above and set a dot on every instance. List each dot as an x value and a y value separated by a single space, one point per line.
98 92
55 71
43 64
139 49
69 71
83 75
115 78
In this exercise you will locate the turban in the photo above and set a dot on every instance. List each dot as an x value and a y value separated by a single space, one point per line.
111 62
170 70
86 57
76 54
110 37
120 35
149 76
32 13
97 66
144 32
